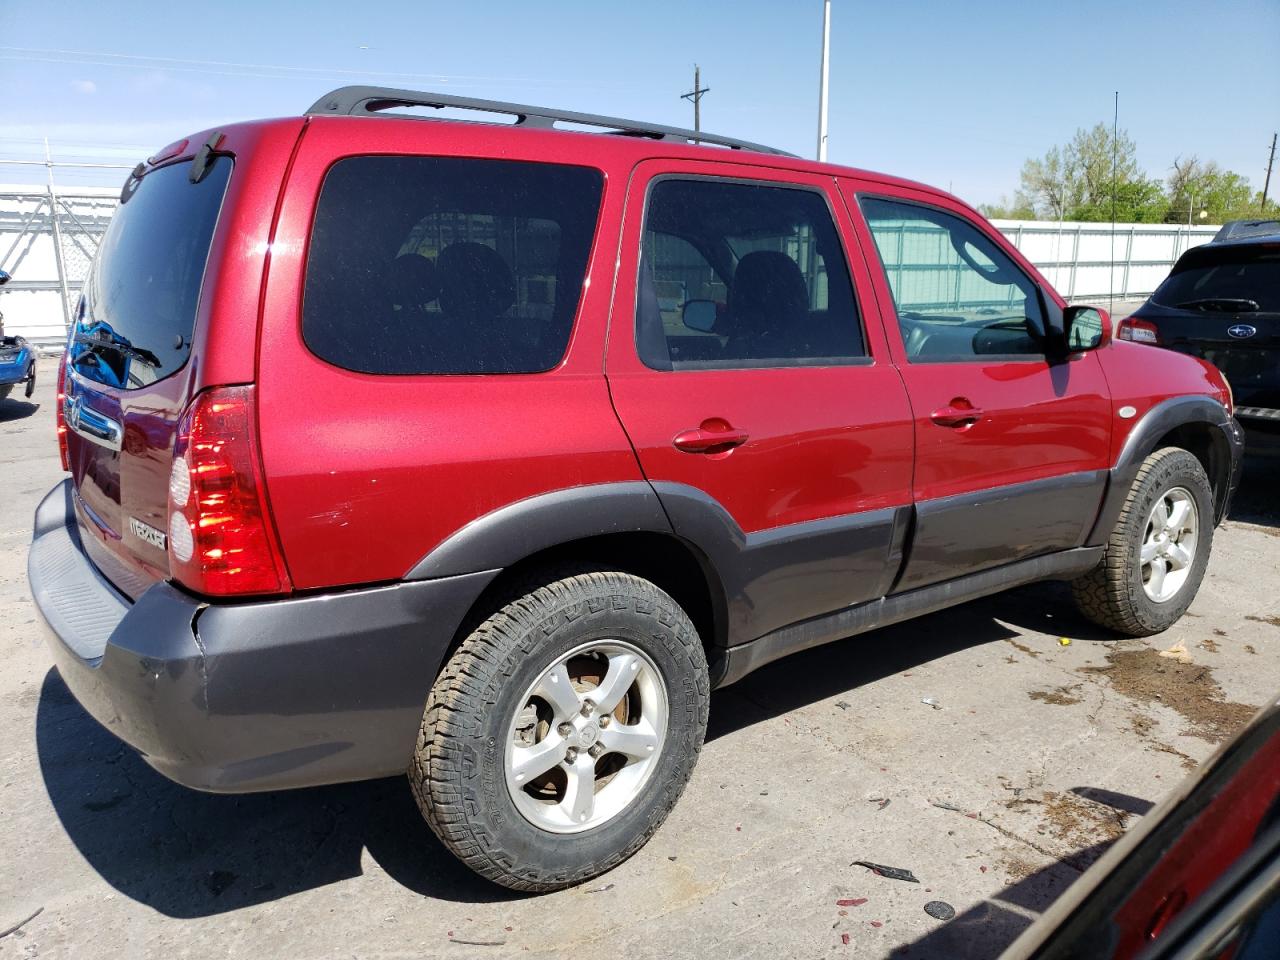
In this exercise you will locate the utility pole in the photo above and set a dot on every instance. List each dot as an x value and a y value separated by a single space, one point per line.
1267 184
696 96
822 82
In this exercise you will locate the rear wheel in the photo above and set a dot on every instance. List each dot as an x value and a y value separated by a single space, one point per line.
563 730
1157 553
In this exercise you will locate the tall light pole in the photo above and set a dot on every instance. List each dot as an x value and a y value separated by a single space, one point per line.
822 84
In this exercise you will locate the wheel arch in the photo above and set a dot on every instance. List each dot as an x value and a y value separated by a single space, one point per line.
1200 425
672 564
616 526
1210 447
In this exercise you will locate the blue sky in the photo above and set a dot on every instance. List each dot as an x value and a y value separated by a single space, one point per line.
950 92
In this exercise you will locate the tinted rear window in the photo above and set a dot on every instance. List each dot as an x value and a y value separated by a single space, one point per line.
438 265
1225 274
139 308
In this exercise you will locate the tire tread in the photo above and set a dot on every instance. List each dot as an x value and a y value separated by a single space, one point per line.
1105 595
466 688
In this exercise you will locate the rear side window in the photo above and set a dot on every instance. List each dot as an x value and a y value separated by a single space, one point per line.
1225 279
740 274
441 265
136 319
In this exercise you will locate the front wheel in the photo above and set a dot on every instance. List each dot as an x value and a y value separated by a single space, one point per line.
1157 553
562 731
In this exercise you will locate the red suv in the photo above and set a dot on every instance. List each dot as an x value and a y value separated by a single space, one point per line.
487 452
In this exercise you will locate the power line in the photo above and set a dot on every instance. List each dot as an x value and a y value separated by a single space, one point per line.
121 144
232 68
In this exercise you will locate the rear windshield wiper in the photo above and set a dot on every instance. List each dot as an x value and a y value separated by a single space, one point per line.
118 345
1223 304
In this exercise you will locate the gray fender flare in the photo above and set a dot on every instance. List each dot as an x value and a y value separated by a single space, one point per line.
1226 447
518 530
752 577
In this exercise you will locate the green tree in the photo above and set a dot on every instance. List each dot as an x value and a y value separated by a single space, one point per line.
1016 209
1140 200
1196 186
1074 181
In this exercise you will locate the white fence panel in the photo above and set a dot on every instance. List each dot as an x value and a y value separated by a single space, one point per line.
1077 258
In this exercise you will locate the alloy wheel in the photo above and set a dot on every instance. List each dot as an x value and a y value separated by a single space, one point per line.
1169 544
586 737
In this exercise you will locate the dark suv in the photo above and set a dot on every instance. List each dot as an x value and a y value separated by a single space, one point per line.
1221 302
486 452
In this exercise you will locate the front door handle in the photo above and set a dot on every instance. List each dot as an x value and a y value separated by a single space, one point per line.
958 413
711 436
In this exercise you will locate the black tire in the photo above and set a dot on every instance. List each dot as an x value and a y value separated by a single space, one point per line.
4 391
1112 594
458 773
31 381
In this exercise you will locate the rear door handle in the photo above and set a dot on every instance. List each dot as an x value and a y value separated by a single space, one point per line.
713 436
956 414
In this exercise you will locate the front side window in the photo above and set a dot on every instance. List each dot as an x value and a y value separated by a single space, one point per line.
739 274
958 296
441 265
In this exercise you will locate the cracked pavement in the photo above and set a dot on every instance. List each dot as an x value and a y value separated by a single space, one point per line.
997 798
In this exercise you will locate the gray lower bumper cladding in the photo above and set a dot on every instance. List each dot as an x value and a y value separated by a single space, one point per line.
246 696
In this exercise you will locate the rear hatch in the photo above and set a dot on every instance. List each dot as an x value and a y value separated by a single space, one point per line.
129 372
1222 303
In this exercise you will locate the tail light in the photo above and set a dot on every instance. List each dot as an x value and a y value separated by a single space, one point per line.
221 540
1139 331
60 412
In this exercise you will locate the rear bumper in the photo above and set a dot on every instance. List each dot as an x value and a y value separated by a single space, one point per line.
246 696
16 371
1265 417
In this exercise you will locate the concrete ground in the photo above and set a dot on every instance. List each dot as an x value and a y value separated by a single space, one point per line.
1033 758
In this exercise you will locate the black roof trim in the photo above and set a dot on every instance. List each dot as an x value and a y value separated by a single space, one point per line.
370 101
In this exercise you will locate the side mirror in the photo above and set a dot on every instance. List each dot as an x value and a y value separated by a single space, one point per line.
4 277
699 315
1085 328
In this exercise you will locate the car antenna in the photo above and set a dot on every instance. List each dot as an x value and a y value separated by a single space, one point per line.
1115 154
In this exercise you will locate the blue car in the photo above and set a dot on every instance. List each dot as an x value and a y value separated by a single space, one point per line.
17 358
17 365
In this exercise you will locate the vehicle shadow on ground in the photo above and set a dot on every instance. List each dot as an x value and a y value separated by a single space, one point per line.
835 668
16 410
1258 497
188 854
985 931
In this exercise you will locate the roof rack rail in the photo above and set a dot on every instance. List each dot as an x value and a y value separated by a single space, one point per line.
360 101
